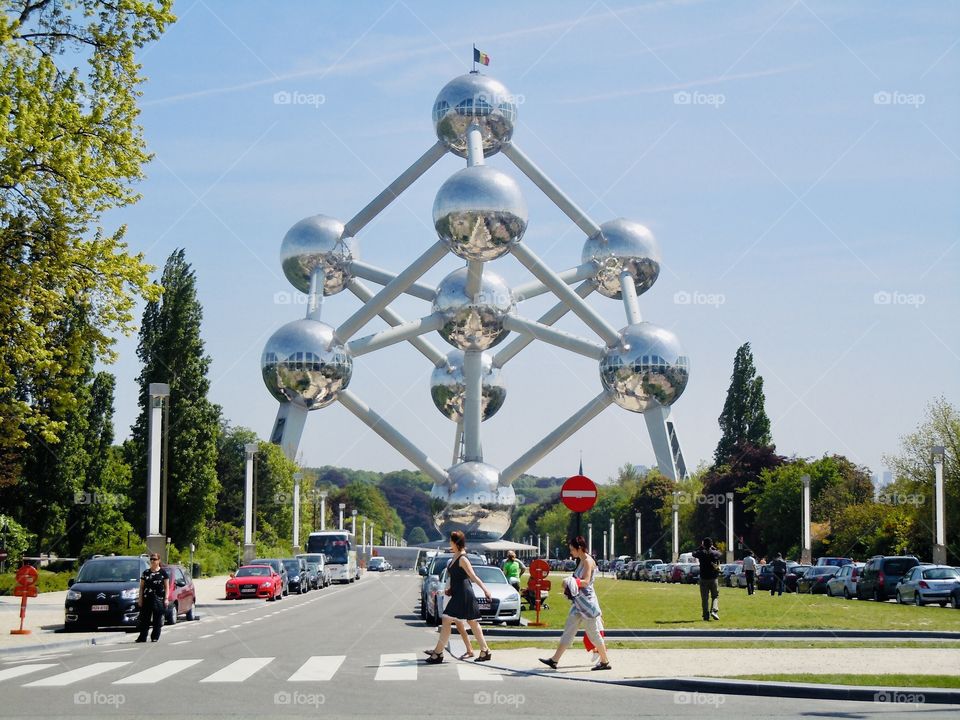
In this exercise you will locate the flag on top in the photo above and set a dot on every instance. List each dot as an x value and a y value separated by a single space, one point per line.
480 57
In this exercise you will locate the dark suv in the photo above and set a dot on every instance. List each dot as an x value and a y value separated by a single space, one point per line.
879 577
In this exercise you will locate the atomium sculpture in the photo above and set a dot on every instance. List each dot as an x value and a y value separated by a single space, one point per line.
479 215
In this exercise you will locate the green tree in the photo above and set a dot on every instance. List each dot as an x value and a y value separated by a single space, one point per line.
371 505
172 351
417 536
70 149
231 471
743 420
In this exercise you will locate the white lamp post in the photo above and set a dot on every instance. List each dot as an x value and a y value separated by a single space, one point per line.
639 546
159 394
342 506
939 522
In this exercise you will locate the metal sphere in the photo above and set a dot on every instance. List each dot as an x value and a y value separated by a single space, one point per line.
302 364
622 245
473 323
448 390
474 99
479 212
648 368
474 502
318 242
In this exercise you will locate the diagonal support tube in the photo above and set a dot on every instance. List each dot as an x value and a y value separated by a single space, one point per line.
393 190
534 288
472 404
391 291
630 302
393 436
576 421
364 293
383 277
398 333
586 313
548 318
566 205
561 339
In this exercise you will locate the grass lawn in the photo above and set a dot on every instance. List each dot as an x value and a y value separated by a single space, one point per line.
632 604
885 681
734 644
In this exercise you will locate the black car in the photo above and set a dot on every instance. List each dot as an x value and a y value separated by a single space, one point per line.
104 593
279 568
765 579
298 577
793 576
881 574
814 580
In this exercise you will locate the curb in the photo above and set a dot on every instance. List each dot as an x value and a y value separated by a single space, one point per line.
809 634
61 645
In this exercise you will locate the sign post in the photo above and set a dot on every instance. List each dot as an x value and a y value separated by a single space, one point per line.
26 587
579 494
539 571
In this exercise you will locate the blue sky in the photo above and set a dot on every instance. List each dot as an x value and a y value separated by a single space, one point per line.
798 162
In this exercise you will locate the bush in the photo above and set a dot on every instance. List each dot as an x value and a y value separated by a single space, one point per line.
46 582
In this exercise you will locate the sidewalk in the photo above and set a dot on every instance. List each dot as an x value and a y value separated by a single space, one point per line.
45 619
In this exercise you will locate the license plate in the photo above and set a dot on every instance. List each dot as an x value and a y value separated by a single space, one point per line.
99 608
482 605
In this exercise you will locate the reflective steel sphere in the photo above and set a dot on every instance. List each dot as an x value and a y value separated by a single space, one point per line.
623 244
317 242
473 323
448 390
469 99
474 502
479 213
647 369
300 364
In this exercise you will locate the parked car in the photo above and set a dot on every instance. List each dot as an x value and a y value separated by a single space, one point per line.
765 579
317 563
881 574
675 573
955 597
925 584
297 579
647 571
379 564
256 581
845 582
814 580
279 568
792 578
834 561
504 603
431 577
658 572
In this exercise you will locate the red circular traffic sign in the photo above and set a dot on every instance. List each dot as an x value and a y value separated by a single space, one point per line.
539 569
579 493
27 575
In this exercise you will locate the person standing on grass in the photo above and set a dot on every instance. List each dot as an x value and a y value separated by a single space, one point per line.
585 609
750 570
709 558
779 574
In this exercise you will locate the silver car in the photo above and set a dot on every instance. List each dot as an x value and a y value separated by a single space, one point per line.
845 582
928 584
657 572
504 603
431 573
317 563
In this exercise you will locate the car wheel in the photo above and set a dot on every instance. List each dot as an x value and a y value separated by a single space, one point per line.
916 600
172 615
899 598
829 591
955 601
876 595
191 614
943 603
846 594
286 591
514 623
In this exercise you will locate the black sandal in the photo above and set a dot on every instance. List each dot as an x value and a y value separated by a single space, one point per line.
435 659
602 666
484 656
550 662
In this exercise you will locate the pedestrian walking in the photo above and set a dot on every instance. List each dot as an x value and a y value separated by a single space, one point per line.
709 558
462 605
585 607
152 599
750 571
779 573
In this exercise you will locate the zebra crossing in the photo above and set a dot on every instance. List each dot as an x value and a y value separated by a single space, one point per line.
393 667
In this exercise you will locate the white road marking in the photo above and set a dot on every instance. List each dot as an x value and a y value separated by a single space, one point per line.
24 670
471 671
72 676
181 642
238 670
397 666
158 672
318 668
204 637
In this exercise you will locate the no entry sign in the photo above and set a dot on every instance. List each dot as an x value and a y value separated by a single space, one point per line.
579 493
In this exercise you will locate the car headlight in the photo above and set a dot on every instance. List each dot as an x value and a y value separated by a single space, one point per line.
131 594
73 595
296 578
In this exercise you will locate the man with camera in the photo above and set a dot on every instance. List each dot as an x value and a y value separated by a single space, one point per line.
709 558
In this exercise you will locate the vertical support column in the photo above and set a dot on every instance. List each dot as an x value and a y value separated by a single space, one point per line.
474 146
249 549
630 302
548 547
340 525
939 521
606 557
613 544
472 404
656 419
639 544
590 538
353 526
323 510
158 393
805 549
315 296
288 428
371 537
676 526
363 541
730 527
297 477
538 544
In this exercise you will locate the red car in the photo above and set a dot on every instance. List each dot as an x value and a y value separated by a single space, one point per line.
255 581
183 595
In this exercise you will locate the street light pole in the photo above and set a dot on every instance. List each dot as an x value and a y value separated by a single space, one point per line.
297 477
323 510
940 529
806 552
639 546
590 538
342 506
249 549
158 395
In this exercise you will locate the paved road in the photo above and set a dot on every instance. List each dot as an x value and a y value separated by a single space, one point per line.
346 651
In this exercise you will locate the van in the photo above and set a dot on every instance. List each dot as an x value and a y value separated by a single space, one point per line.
686 558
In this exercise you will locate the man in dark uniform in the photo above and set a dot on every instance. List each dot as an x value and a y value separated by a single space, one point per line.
154 590
779 574
709 558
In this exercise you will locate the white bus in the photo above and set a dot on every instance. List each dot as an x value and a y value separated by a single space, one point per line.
337 545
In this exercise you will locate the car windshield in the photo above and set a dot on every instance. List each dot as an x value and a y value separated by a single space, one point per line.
119 570
292 566
899 566
941 574
490 575
272 563
253 572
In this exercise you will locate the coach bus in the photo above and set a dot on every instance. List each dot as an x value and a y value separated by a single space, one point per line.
337 545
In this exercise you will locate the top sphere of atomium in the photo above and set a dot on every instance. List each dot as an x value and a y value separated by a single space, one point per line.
318 242
474 99
479 212
647 368
622 245
302 364
473 323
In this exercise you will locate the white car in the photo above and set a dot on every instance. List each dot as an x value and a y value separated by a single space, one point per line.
504 603
378 564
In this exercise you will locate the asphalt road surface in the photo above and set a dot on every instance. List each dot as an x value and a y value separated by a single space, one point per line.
345 651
